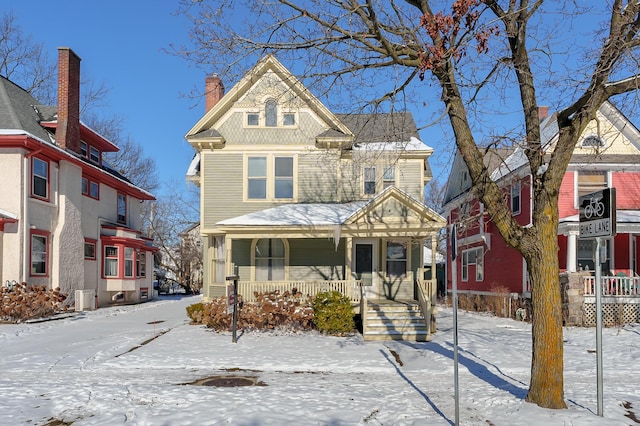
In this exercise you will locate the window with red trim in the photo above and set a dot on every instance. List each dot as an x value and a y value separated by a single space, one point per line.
129 254
90 188
40 178
39 253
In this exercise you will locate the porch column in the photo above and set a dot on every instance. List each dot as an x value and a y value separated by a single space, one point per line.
347 257
228 264
572 247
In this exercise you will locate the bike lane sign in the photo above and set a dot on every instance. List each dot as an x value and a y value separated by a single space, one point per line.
598 214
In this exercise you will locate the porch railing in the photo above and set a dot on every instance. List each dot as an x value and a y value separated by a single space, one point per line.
614 286
350 288
425 295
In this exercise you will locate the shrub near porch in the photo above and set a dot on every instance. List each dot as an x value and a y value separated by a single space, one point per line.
279 311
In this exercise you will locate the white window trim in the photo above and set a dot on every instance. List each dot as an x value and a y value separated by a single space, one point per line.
517 185
285 242
465 264
271 178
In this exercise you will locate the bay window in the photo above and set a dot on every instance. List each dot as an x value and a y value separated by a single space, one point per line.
111 261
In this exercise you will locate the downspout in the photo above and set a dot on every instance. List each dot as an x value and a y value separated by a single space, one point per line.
24 213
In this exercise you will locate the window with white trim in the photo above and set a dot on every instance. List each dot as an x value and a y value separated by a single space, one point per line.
218 259
388 176
369 179
271 113
111 261
94 155
129 255
474 256
515 198
269 259
83 149
141 263
270 177
396 259
591 181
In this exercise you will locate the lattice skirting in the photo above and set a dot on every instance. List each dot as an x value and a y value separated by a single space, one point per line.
612 314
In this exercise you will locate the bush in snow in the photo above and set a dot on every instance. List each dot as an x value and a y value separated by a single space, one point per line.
333 313
23 302
274 310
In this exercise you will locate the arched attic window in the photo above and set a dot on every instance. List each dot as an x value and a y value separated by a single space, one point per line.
271 113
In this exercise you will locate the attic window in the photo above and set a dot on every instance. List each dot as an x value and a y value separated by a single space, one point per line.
289 119
94 155
271 113
253 119
592 141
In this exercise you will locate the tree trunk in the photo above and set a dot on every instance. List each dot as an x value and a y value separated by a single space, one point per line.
546 388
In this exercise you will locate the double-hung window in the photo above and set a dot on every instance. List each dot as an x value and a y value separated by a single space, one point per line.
141 263
269 258
129 255
257 178
270 177
40 178
369 180
111 261
515 198
475 257
94 155
39 253
591 181
396 259
122 208
283 185
388 176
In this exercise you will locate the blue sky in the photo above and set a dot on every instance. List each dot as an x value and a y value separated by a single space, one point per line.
120 43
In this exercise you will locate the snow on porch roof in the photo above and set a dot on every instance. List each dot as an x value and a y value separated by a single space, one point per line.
298 215
622 216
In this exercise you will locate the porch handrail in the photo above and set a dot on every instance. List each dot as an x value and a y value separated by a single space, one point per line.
425 292
350 288
615 286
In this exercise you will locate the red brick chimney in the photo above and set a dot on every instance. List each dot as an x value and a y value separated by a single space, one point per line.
68 127
543 112
214 91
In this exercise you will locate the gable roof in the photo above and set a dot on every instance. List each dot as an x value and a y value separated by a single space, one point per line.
327 214
266 64
508 160
22 114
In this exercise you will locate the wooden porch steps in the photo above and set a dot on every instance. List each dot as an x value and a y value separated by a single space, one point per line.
394 320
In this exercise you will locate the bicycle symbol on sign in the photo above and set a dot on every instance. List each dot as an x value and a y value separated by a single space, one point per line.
595 208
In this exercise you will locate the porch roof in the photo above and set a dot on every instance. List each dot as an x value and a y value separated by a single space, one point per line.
314 214
627 221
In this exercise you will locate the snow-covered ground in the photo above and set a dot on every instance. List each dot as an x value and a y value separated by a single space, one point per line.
101 368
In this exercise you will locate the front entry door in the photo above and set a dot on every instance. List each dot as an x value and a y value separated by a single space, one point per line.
365 267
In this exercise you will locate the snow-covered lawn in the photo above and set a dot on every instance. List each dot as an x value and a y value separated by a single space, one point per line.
101 368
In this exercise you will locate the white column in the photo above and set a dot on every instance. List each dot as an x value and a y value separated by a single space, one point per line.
572 250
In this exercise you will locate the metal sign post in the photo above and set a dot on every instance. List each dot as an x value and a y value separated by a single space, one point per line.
454 287
233 302
598 219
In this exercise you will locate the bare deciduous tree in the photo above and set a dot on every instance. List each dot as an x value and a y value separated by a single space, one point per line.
479 60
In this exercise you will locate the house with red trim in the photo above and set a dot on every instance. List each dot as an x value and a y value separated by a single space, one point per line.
607 155
67 220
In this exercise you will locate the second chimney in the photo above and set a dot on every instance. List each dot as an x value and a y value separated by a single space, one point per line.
543 112
214 91
68 127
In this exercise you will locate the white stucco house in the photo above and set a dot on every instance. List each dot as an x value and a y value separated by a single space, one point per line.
67 220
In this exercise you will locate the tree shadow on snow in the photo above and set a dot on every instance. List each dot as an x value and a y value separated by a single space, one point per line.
417 389
477 369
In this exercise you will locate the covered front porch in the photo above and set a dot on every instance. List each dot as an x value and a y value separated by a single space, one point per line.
367 250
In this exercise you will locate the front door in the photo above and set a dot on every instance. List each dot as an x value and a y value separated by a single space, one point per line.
365 265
